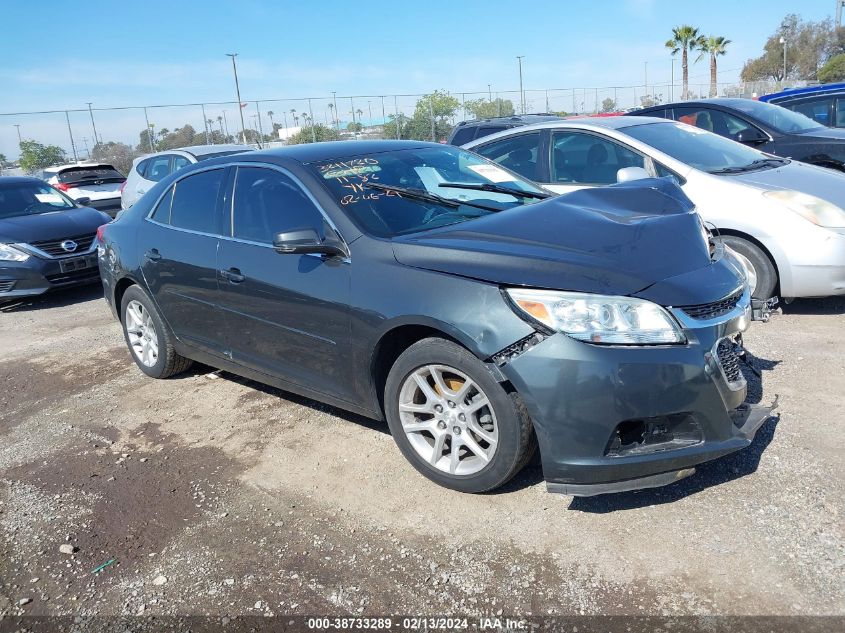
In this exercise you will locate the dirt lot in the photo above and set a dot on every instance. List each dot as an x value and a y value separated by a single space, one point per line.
215 495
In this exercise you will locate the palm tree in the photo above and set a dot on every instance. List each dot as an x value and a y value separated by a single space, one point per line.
331 112
359 112
715 45
270 114
684 38
220 122
293 114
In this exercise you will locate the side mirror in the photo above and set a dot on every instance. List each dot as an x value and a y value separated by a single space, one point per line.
84 202
751 136
307 241
627 174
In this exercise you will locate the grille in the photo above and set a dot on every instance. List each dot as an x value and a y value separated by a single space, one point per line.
75 276
713 310
54 247
6 286
728 359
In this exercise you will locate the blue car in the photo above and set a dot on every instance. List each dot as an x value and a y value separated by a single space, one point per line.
47 240
824 104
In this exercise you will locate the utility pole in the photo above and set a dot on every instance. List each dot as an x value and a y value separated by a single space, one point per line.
672 86
431 112
205 124
226 122
238 92
398 120
311 118
490 93
519 59
783 41
260 128
149 130
646 78
72 144
383 113
18 126
336 113
93 125
839 5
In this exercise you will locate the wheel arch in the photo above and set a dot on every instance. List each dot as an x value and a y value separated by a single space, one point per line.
120 288
766 251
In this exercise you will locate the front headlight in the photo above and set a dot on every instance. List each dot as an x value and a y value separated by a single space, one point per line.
818 211
599 318
9 253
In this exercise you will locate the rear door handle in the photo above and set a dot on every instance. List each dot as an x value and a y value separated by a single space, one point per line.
152 255
233 275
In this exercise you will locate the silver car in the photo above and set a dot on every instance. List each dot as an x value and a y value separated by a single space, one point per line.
786 217
148 170
96 185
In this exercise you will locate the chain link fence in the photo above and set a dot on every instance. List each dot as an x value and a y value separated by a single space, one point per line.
273 121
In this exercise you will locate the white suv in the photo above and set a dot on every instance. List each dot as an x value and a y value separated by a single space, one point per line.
148 170
97 184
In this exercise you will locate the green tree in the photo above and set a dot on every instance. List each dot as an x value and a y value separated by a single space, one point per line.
714 46
320 131
685 38
809 45
486 109
2 163
117 154
439 106
35 156
833 70
393 122
354 126
608 105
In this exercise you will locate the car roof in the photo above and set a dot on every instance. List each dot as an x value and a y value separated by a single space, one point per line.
728 102
19 180
807 90
201 150
587 123
516 118
58 168
339 150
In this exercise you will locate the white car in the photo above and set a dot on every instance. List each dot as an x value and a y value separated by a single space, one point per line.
786 217
95 185
148 170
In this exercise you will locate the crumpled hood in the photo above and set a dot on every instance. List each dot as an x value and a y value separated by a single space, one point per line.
51 226
616 240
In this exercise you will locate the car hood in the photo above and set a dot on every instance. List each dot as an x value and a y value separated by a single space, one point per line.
821 182
642 238
51 226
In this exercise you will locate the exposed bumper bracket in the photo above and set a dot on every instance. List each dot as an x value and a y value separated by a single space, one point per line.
748 418
762 310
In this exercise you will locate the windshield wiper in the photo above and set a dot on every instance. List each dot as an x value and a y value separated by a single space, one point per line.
426 196
486 186
755 164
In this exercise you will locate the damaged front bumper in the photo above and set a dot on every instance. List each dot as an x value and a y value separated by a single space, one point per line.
614 418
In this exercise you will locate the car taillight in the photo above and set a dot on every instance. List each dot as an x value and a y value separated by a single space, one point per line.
62 186
100 230
122 185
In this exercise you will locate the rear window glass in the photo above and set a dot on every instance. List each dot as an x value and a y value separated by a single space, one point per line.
142 167
89 174
162 211
202 157
194 204
487 130
463 135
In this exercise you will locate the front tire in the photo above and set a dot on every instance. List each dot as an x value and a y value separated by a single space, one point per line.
767 277
149 342
453 421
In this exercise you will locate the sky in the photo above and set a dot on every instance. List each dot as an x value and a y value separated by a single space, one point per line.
57 55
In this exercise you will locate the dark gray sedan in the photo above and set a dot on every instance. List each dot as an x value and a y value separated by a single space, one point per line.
426 285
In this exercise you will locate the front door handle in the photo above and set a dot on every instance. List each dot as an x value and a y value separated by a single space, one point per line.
152 255
233 275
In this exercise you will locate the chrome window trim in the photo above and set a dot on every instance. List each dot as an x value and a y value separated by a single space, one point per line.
230 237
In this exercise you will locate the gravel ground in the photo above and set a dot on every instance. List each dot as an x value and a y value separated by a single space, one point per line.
210 494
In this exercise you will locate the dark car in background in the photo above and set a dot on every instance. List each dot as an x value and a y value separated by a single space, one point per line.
47 240
98 183
763 126
480 316
466 131
824 104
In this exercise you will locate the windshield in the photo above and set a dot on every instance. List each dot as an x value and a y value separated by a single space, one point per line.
363 186
698 148
27 198
780 118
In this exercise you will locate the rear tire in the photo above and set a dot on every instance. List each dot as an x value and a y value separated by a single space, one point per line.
453 421
150 343
767 277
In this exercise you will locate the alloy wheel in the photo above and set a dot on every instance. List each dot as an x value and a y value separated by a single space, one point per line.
140 329
448 420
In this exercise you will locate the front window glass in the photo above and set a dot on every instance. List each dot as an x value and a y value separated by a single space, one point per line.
30 199
361 186
578 157
517 153
698 148
194 203
779 118
716 121
267 202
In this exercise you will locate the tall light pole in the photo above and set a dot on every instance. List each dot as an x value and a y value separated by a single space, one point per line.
672 86
519 59
336 121
18 126
93 125
238 92
646 78
490 93
72 144
783 41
